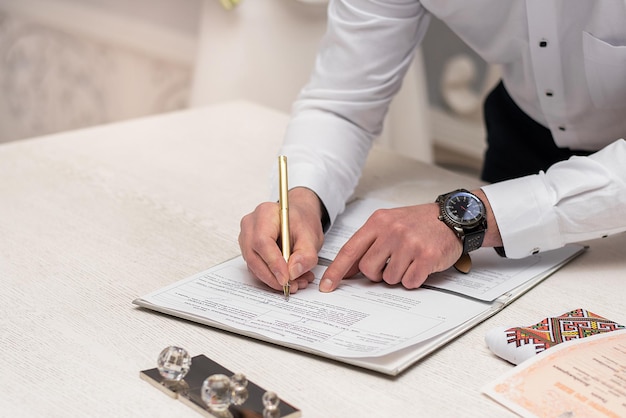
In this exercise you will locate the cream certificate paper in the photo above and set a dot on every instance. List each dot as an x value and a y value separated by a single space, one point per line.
580 378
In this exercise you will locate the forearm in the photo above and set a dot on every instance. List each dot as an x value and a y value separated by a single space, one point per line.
341 110
575 200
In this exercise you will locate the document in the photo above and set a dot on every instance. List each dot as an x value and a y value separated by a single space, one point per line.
585 377
373 325
360 319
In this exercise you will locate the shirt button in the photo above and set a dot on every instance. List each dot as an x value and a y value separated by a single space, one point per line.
534 251
561 128
543 43
549 93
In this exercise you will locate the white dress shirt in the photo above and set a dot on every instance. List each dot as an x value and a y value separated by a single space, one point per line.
563 64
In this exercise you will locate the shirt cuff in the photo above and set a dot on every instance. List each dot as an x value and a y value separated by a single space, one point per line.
524 212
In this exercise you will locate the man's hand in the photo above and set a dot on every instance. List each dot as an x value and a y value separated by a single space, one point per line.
403 245
259 235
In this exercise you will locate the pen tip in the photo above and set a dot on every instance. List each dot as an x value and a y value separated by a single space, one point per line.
286 291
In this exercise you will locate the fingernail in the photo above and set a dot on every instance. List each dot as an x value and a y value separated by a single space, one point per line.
296 271
326 285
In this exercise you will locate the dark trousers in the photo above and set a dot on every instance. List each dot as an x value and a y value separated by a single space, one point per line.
516 144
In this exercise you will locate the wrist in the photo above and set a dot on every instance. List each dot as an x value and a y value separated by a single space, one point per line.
307 198
492 235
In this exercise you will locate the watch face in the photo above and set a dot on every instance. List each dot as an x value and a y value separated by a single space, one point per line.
464 208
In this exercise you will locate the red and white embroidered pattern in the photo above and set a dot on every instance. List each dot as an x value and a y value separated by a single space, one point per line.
572 325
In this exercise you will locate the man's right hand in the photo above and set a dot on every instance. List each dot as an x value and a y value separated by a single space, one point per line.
258 240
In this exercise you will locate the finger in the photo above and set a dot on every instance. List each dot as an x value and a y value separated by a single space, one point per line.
396 268
260 270
353 270
302 282
256 265
307 238
415 275
374 262
346 260
257 240
303 258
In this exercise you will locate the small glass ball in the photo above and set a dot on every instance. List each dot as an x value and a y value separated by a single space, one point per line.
270 400
174 363
216 392
239 380
239 383
239 395
271 413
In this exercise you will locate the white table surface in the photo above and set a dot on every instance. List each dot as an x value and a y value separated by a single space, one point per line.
92 219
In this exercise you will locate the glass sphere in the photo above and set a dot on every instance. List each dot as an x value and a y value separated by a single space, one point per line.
239 380
271 413
239 383
240 395
270 400
216 392
174 363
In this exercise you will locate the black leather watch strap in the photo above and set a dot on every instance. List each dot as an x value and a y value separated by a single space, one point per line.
473 240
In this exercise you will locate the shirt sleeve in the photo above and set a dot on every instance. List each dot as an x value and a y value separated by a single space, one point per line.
363 57
575 200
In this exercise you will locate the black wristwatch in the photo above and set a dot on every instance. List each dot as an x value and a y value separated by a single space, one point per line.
465 214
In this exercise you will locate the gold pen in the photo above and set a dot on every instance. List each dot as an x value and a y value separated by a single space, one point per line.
285 240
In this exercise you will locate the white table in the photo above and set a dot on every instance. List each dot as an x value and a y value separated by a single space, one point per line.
90 220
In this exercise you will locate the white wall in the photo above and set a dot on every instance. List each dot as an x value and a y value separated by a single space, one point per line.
67 64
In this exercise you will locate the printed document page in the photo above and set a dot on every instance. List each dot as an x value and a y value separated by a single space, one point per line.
348 222
359 319
492 276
